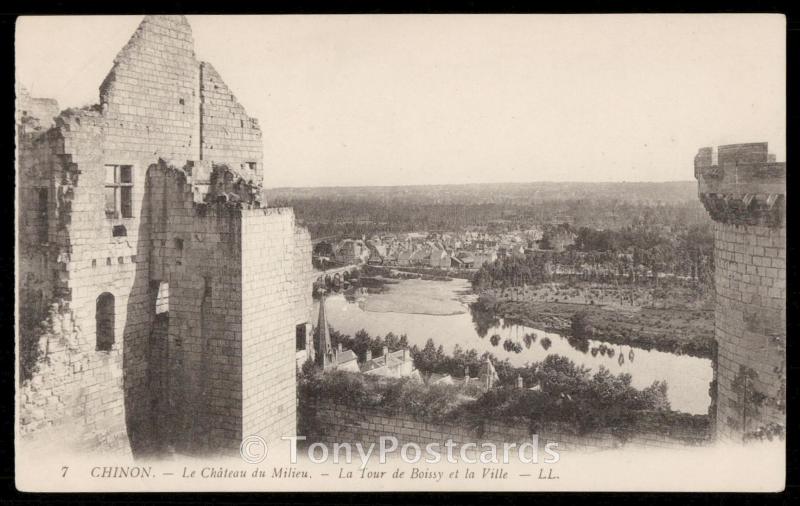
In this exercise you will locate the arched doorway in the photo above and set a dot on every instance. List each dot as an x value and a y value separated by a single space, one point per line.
104 320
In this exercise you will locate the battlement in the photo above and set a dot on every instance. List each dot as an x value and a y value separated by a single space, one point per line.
744 190
742 184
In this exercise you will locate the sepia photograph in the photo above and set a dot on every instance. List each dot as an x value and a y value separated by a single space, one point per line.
454 252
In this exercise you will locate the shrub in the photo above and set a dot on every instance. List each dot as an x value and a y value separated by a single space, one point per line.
570 396
392 395
581 326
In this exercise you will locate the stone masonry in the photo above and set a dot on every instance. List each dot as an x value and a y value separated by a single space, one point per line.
744 191
159 295
340 424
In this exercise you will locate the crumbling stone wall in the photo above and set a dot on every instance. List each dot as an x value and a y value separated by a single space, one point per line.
36 233
744 192
34 112
69 268
172 378
73 396
151 93
195 366
238 279
228 133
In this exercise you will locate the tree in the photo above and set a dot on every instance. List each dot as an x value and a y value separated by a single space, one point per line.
425 360
581 326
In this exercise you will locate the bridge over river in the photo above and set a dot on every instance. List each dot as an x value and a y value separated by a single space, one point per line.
335 276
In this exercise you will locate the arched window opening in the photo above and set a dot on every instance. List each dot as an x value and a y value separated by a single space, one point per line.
104 318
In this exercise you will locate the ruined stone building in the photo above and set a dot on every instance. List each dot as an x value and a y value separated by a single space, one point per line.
743 188
160 297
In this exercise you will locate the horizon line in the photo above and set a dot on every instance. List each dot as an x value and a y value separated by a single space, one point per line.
477 184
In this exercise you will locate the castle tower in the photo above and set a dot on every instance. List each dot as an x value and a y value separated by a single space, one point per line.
744 191
171 296
323 351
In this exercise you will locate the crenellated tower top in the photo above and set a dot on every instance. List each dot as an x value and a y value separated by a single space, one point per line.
742 184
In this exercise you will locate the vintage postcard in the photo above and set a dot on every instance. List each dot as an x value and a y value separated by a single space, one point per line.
401 252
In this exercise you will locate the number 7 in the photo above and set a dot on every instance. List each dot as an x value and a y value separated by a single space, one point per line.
64 471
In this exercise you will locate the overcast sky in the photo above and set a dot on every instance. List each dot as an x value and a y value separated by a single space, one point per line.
372 100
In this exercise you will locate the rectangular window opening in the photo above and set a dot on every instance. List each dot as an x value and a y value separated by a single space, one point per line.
300 337
111 201
118 191
162 299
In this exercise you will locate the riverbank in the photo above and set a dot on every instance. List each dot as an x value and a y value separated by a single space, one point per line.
610 296
688 376
412 272
684 331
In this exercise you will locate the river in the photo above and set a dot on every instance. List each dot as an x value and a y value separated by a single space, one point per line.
439 310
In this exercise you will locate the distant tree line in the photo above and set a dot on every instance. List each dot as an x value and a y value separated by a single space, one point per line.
688 252
355 215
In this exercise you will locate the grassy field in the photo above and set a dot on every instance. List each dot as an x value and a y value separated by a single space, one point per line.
609 296
684 331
